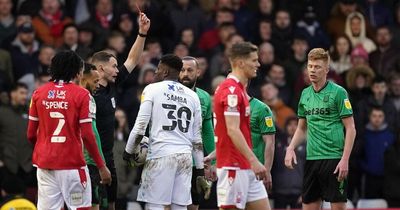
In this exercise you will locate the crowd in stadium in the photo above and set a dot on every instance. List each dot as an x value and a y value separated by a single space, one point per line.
362 36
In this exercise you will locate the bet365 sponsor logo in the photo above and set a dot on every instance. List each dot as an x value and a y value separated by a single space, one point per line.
318 111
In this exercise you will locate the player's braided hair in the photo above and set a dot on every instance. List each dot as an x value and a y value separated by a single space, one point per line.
65 66
172 61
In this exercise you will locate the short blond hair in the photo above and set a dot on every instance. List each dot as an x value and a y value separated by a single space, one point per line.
319 54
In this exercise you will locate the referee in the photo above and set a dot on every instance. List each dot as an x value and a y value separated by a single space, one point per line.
111 76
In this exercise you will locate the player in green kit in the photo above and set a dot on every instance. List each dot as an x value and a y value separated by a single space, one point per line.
90 81
324 113
263 135
188 76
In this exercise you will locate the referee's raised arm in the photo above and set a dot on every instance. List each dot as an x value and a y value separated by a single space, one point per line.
137 48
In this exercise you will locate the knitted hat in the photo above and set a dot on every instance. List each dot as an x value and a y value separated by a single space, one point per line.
359 51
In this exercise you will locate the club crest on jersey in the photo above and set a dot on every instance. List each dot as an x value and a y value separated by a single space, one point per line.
232 100
51 94
232 89
347 103
171 87
113 102
268 122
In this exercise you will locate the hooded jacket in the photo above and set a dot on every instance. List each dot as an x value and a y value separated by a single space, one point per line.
362 39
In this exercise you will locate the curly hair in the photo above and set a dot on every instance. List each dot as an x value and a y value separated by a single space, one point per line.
65 66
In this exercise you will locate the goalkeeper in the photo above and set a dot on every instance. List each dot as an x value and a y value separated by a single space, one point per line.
188 77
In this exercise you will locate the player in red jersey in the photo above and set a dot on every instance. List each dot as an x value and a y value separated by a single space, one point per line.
59 121
239 172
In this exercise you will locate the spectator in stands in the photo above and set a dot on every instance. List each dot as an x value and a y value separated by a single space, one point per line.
219 64
270 96
395 27
181 50
359 57
50 22
391 190
394 83
242 18
282 34
188 38
310 28
6 68
383 59
42 79
125 26
209 39
337 21
204 78
265 11
116 42
277 76
125 174
355 29
102 22
287 183
46 53
153 47
70 42
377 13
7 21
294 63
358 82
16 151
377 138
161 28
266 58
263 32
379 97
86 35
146 75
186 14
340 54
24 54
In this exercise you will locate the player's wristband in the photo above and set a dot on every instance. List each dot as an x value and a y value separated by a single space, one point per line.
142 35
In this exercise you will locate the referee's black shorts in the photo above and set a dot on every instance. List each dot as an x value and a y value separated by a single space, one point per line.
319 182
196 197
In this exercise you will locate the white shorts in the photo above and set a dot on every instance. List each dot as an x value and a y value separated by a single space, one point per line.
167 180
58 186
237 187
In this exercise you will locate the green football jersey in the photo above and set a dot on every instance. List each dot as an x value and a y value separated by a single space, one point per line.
261 123
92 111
207 132
323 111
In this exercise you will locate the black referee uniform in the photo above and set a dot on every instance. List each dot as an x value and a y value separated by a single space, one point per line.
105 98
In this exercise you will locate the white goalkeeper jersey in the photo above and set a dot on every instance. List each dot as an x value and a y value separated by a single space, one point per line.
174 114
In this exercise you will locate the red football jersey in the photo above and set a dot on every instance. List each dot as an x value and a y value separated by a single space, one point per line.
59 108
230 99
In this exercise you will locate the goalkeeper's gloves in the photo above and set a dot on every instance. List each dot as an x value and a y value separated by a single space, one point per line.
129 158
202 184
